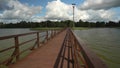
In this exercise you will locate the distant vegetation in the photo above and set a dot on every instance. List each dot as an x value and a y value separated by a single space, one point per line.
67 23
45 28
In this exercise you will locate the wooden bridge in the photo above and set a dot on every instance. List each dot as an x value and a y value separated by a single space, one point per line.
58 49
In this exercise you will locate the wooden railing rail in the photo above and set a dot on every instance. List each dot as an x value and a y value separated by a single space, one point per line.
15 56
83 56
75 54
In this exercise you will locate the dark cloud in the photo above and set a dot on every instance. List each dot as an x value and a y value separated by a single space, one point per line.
100 4
4 5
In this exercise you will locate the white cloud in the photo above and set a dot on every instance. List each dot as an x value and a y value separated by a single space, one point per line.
100 4
100 15
57 10
37 19
20 11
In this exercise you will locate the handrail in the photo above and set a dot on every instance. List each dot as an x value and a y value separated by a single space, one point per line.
16 53
88 58
12 36
74 54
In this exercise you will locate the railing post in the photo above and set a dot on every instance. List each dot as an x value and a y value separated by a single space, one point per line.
16 51
38 39
46 35
55 32
17 48
51 33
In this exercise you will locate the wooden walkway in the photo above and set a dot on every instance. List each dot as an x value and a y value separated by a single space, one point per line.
44 57
63 50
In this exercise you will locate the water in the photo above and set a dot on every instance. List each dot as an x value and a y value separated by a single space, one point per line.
7 32
105 42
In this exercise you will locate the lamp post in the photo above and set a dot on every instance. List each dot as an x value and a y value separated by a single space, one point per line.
73 5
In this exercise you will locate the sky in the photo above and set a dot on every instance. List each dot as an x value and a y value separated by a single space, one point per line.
12 11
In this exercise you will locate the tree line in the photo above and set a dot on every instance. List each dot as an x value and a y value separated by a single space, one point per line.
66 23
97 24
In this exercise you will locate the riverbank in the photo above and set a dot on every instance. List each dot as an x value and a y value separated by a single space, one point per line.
58 28
45 28
81 28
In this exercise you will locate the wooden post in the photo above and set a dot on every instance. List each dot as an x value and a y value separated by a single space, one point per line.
46 35
16 48
51 33
16 52
38 39
55 32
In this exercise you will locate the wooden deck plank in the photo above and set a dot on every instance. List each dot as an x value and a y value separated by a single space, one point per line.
43 57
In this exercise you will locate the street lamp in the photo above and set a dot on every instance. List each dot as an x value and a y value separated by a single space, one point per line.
73 5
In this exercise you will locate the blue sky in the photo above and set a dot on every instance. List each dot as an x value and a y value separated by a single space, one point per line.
43 3
41 10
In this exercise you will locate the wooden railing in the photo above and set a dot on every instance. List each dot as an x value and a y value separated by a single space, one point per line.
84 55
15 56
78 55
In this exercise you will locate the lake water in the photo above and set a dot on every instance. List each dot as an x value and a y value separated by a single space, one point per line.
105 42
6 32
